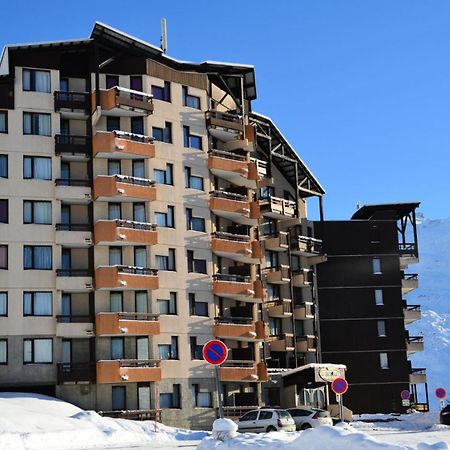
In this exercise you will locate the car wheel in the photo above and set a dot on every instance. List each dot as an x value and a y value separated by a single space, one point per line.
305 426
270 429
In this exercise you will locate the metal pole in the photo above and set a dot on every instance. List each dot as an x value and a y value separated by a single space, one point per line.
219 393
340 407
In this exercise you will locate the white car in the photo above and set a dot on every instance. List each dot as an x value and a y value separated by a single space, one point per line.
265 420
310 417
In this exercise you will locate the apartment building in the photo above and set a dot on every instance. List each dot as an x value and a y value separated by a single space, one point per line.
364 315
146 209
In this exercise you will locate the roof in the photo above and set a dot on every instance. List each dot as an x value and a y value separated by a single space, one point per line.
400 209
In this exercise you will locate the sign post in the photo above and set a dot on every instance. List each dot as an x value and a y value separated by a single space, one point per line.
215 352
441 393
405 396
339 387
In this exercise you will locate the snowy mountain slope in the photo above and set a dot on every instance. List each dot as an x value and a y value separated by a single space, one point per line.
434 297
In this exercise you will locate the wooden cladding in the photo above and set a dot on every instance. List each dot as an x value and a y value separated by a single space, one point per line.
193 79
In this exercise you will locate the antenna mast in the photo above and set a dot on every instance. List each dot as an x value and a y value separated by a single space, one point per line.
163 35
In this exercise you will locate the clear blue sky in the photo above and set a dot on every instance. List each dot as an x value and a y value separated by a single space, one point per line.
361 88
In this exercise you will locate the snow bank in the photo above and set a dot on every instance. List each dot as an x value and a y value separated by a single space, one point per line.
407 422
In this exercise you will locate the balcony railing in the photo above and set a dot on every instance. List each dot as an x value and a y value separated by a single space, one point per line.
133 137
410 276
227 155
229 196
74 319
133 270
237 411
76 372
231 278
278 207
134 180
73 227
73 273
134 414
73 101
72 182
230 237
127 100
406 248
280 307
234 320
224 119
72 144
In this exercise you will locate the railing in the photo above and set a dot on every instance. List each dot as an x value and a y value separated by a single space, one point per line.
284 302
138 316
133 180
74 319
139 362
72 372
131 224
132 94
407 248
261 165
418 371
278 203
134 414
227 117
72 182
308 274
133 270
233 320
133 136
288 339
412 307
73 227
226 155
410 276
243 364
413 339
237 411
72 100
67 142
73 273
231 278
284 269
312 244
230 236
229 196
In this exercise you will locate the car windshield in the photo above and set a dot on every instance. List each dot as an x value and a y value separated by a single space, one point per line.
321 413
283 414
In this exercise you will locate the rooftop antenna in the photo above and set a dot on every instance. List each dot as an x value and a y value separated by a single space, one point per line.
163 35
358 205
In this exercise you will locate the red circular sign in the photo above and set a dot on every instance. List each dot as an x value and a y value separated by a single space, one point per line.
405 395
215 352
440 392
339 386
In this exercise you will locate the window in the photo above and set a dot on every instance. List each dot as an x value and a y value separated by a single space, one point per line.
265 415
141 301
115 256
163 134
268 227
379 297
375 234
3 165
118 400
117 348
275 326
37 167
64 84
114 167
299 328
3 304
114 211
195 265
36 80
273 291
37 212
137 125
252 415
37 257
376 266
164 176
37 304
169 351
140 256
37 351
166 262
4 211
116 301
196 350
384 363
37 124
197 308
3 121
111 81
112 123
139 212
192 181
3 351
138 168
295 263
191 140
170 399
201 398
3 256
381 328
271 259
162 92
136 83
194 223
168 307
266 192
167 219
190 100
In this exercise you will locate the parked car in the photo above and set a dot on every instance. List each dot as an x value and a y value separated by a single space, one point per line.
265 420
310 417
445 415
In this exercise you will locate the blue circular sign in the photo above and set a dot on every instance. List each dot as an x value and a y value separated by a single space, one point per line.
441 393
405 395
339 386
215 352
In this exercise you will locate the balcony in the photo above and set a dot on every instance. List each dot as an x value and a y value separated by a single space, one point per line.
72 105
74 280
238 287
418 376
414 344
304 311
119 101
240 329
235 207
76 372
121 145
308 247
280 308
124 232
411 313
120 188
278 275
126 324
128 370
282 343
74 326
242 371
410 282
122 278
236 247
302 278
234 168
73 191
277 208
278 243
73 235
306 344
408 254
73 147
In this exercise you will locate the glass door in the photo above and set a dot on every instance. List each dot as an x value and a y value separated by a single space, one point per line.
142 347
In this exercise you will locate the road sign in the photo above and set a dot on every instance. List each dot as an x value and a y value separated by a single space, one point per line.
405 395
215 352
406 402
339 386
440 393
